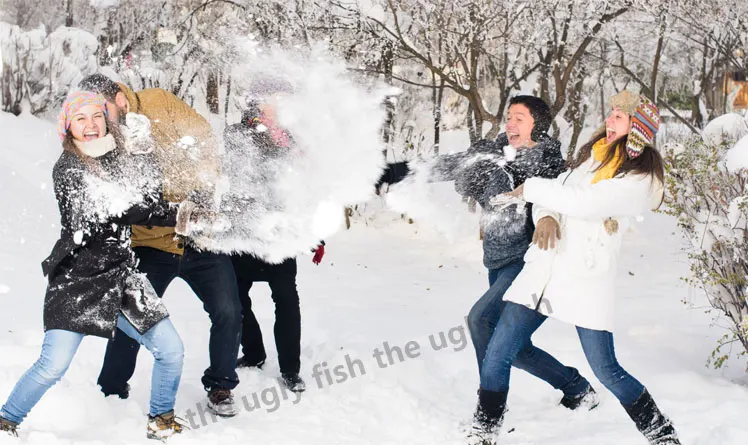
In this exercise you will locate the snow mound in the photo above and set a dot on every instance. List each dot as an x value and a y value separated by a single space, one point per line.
737 157
730 127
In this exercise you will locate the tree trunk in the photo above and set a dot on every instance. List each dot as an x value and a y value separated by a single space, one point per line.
69 13
658 55
478 125
576 111
437 98
22 14
228 97
212 93
471 124
387 63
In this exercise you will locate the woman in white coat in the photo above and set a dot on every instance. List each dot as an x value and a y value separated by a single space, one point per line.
569 272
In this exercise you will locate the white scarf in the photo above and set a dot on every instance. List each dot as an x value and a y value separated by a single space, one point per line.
97 147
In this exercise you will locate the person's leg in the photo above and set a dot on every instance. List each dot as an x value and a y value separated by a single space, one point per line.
493 275
513 331
485 313
512 334
600 352
287 327
58 350
211 276
163 341
482 321
253 348
544 366
122 351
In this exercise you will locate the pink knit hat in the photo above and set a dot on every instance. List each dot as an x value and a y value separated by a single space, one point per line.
73 104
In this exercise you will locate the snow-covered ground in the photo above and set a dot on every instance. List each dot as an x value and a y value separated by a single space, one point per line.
382 281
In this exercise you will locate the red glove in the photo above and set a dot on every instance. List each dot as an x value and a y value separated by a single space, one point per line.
319 252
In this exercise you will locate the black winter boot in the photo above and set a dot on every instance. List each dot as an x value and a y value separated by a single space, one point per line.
587 399
654 425
123 394
293 381
488 418
9 427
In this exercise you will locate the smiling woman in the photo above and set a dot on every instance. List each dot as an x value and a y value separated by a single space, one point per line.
93 286
88 123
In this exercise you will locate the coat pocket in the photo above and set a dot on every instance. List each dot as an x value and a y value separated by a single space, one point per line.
589 250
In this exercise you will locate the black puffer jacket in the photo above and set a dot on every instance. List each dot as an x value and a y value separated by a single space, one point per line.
91 269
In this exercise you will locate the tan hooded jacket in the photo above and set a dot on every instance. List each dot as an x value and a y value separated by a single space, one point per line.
187 152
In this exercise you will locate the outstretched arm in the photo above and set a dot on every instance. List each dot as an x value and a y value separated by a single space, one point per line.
629 195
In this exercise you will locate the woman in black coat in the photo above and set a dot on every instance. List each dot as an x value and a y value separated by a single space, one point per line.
94 288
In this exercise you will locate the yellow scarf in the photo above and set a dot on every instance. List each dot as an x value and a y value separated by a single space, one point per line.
599 151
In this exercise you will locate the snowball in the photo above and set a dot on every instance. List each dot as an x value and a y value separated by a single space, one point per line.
187 141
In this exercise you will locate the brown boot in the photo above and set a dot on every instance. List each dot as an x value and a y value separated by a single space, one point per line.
165 425
9 427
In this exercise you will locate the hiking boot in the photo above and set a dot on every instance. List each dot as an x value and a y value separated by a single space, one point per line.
245 362
165 425
293 382
587 399
650 421
123 394
9 427
221 402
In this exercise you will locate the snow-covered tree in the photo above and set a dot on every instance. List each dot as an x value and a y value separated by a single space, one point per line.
707 187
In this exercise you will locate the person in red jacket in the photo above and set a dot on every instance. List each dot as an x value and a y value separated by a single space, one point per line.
258 130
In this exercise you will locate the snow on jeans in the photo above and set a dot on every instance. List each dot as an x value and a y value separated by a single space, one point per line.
60 346
513 332
482 321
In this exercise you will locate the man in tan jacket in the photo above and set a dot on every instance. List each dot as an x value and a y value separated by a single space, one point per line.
188 157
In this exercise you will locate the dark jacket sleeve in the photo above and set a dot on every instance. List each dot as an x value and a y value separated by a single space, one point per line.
448 167
481 169
554 164
75 213
150 213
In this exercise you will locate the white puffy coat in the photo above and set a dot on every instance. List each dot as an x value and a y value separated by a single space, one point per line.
575 282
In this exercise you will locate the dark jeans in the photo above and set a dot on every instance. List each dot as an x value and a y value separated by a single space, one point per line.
482 321
282 281
211 277
513 333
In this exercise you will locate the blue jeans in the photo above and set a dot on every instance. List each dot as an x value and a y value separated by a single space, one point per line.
482 320
493 274
211 277
513 334
60 346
